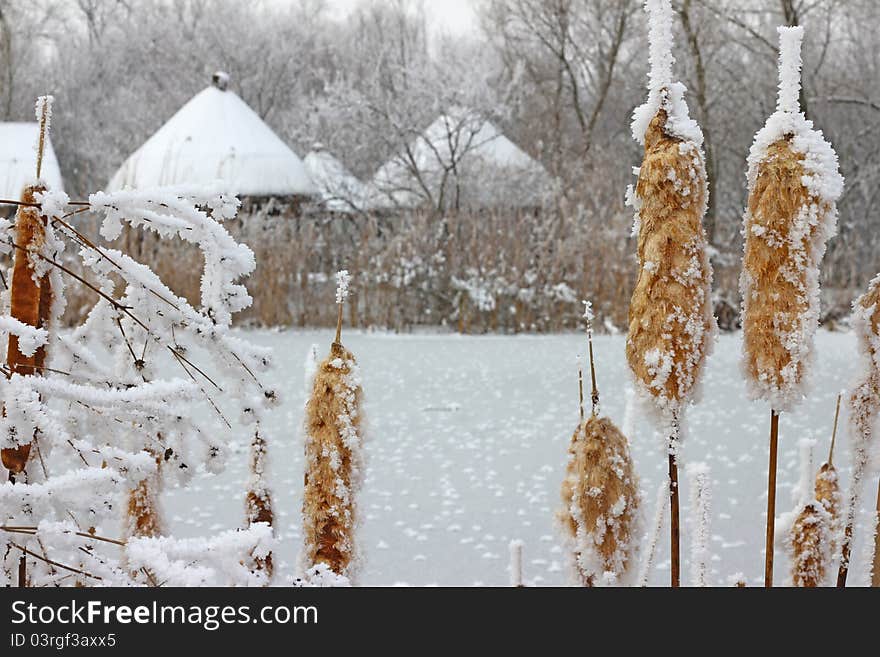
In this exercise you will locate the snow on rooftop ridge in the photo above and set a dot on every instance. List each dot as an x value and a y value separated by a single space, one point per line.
339 189
663 92
216 136
18 159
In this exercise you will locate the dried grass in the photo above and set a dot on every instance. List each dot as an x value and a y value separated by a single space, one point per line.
670 318
30 301
142 512
332 469
601 498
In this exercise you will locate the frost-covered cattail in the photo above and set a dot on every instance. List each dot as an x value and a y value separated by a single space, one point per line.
333 467
671 326
31 286
516 566
794 184
864 412
809 533
258 500
600 496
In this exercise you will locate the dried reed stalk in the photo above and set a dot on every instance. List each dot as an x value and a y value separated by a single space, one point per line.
258 501
827 486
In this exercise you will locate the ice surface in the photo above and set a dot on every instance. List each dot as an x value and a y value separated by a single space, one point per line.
466 444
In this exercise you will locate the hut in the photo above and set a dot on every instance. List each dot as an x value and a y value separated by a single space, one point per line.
461 161
217 136
339 190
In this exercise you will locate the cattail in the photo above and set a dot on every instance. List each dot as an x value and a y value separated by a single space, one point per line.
810 534
31 288
600 496
653 539
516 566
258 501
864 410
333 467
793 186
671 326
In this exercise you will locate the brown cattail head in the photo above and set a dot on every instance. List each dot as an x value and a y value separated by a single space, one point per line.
794 184
30 303
601 498
810 543
828 490
142 513
670 317
258 501
333 464
864 400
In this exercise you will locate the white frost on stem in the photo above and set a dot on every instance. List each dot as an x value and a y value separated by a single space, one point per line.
790 39
701 501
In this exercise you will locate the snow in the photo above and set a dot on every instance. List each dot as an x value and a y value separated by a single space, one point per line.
343 281
467 447
663 91
18 160
340 190
216 136
475 149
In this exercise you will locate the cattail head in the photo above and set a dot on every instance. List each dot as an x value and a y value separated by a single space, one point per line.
810 535
864 400
794 184
671 326
333 464
601 498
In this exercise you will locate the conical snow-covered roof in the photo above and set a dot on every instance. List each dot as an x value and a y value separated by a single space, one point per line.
338 188
216 136
18 159
465 154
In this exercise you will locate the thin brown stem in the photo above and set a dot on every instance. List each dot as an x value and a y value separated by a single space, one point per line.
32 530
834 432
674 526
51 563
339 325
22 571
594 394
41 144
771 500
581 392
875 572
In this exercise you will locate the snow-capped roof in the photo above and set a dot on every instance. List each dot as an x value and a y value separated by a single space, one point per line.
493 169
339 189
216 136
18 159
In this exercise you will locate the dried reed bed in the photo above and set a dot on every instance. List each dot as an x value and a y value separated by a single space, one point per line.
333 464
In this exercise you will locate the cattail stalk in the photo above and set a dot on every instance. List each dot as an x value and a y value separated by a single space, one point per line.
516 565
701 500
670 319
333 461
793 186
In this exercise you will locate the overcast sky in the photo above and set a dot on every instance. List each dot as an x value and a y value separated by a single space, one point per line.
454 16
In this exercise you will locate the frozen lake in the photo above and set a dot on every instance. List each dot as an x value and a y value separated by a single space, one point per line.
466 447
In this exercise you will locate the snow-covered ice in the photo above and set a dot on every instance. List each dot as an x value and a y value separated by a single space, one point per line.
466 442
